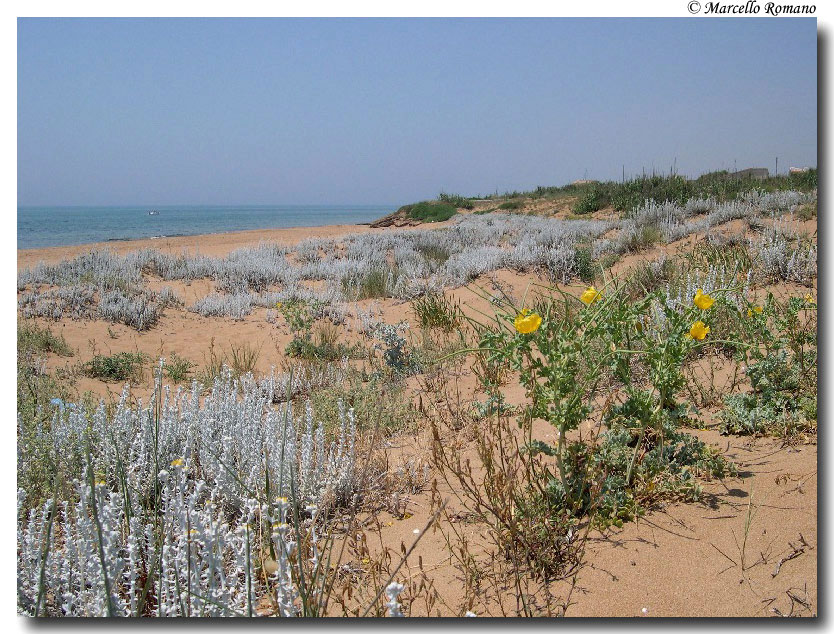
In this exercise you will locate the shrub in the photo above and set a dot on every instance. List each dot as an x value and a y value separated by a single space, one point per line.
584 262
455 200
178 368
434 253
140 311
33 338
782 368
592 200
511 205
807 212
122 366
377 404
430 211
323 347
214 494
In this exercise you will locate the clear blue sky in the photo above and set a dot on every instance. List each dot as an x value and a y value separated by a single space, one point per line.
179 111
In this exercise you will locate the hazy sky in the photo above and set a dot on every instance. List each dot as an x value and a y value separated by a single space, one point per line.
178 111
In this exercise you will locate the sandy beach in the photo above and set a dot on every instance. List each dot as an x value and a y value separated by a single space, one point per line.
680 559
213 244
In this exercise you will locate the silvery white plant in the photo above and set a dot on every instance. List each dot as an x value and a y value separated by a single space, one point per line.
235 435
426 260
189 559
204 463
778 201
303 380
235 306
75 302
139 311
715 278
784 257
392 592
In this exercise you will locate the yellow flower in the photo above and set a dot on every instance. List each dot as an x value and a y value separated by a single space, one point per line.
755 309
703 301
527 322
699 330
177 462
277 304
101 483
590 295
809 298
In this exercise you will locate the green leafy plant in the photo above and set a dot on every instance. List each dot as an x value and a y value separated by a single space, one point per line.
177 368
430 211
782 368
454 199
593 200
123 366
33 338
565 349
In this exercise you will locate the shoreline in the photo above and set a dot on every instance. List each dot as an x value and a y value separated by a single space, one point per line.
212 244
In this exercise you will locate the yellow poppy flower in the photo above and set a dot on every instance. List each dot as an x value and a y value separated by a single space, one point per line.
704 302
699 330
590 295
527 322
755 309
809 298
177 463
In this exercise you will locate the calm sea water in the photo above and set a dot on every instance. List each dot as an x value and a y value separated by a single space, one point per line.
61 226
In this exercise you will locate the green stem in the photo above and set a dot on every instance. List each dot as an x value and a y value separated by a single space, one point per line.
634 455
561 464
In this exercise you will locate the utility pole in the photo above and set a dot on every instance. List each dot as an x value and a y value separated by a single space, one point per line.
777 166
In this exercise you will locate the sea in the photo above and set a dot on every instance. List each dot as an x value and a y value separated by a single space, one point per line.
63 226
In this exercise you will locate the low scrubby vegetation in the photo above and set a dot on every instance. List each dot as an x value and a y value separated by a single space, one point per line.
430 211
122 366
247 493
627 195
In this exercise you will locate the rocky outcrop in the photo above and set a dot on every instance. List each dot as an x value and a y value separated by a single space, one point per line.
397 219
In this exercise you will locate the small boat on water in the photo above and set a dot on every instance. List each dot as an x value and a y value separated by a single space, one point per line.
153 212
